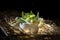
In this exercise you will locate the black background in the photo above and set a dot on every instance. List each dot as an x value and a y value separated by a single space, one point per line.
47 9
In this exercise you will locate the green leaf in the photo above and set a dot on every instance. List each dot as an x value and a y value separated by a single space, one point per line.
22 14
37 14
31 13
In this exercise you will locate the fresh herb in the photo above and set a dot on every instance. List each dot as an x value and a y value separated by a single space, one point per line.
28 17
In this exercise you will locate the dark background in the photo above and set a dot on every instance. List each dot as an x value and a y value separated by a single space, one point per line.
47 9
25 5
